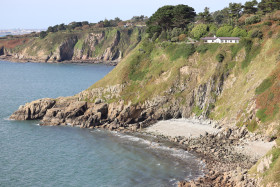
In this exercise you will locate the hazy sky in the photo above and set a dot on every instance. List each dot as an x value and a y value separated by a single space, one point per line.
43 13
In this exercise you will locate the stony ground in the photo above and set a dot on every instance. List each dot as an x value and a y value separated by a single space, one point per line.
227 152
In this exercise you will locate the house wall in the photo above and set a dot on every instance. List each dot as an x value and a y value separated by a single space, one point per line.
221 41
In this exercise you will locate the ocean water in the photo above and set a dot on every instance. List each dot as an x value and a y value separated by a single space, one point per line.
31 155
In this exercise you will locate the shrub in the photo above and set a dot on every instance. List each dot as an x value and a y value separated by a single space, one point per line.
224 31
256 34
267 23
220 57
252 20
182 37
270 33
162 36
175 39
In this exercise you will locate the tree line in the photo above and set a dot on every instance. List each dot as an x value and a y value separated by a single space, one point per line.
183 20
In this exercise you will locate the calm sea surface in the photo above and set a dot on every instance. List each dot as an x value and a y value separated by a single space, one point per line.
31 155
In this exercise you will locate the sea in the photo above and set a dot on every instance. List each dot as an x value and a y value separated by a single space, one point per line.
33 155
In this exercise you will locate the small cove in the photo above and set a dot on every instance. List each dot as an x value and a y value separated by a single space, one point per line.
32 155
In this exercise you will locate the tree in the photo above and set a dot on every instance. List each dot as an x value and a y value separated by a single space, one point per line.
50 29
199 30
224 31
222 16
162 17
107 23
43 34
205 17
269 5
74 24
85 23
250 7
169 17
182 15
61 27
234 12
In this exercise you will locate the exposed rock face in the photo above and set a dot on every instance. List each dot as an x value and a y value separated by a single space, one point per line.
112 53
105 46
66 49
1 51
89 46
34 110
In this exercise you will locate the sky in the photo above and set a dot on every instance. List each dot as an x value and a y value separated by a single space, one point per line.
39 14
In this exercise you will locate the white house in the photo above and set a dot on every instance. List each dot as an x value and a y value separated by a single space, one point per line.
221 39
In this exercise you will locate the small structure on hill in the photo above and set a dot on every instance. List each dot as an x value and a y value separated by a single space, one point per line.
221 39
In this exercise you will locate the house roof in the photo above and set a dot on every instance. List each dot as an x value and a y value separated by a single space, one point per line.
222 38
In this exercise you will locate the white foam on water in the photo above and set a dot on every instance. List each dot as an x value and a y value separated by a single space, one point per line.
8 119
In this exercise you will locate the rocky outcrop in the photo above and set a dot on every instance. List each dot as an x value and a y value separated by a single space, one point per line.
34 110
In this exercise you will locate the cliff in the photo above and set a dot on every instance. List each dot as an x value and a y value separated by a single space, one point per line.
95 45
235 84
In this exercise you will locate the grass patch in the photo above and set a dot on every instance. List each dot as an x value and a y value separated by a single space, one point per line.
262 115
176 51
267 83
230 65
252 126
202 48
197 111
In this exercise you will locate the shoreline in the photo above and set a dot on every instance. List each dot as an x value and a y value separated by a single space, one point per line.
217 149
27 60
224 165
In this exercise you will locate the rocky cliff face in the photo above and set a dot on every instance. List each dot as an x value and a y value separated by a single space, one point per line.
108 45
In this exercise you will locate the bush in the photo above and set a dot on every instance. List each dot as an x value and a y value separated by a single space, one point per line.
162 36
267 23
256 34
252 20
175 39
220 57
182 37
224 31
270 33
